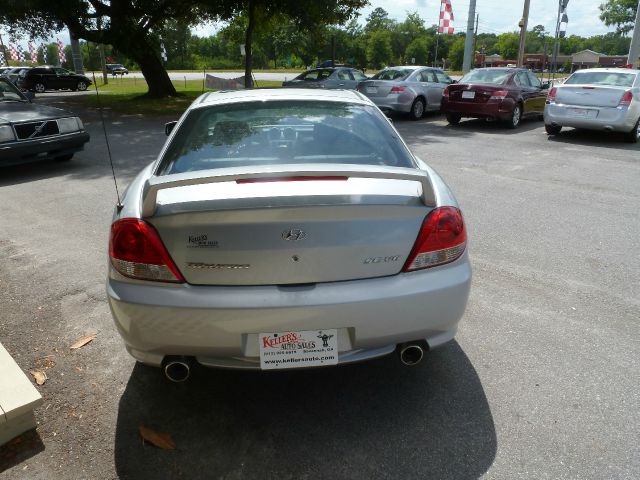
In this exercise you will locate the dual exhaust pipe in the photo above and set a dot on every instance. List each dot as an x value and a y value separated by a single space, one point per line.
178 368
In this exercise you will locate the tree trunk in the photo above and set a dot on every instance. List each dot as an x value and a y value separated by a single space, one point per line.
154 73
248 59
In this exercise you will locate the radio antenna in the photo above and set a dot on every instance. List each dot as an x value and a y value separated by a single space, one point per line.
119 205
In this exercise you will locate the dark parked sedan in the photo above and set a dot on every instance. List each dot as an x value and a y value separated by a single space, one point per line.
31 132
39 79
330 78
505 94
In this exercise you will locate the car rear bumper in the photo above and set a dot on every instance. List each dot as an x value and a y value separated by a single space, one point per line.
220 325
500 110
42 148
394 103
607 118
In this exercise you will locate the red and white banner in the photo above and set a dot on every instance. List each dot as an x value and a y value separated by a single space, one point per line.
446 18
13 53
61 56
34 54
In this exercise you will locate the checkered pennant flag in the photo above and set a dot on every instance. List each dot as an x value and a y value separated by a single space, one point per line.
21 56
61 56
34 54
44 53
446 18
163 52
3 61
13 53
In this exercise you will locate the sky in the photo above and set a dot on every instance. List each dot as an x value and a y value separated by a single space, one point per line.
496 16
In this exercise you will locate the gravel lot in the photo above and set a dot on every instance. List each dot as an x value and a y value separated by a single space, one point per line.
542 381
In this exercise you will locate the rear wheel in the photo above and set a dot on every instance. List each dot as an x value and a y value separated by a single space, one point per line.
516 116
553 129
64 158
82 85
417 109
39 87
453 118
634 135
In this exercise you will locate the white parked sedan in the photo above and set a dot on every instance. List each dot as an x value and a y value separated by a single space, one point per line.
285 228
597 99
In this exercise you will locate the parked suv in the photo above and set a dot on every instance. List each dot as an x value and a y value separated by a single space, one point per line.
39 79
116 69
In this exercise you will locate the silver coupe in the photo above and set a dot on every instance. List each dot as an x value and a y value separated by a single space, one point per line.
598 99
285 228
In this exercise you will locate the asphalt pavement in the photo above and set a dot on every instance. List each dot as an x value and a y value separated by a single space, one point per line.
541 382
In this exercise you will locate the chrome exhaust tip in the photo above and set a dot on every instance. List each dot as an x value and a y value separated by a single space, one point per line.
411 354
177 369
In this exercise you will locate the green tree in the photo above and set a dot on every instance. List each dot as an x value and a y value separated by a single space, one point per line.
619 13
379 48
507 45
456 53
419 49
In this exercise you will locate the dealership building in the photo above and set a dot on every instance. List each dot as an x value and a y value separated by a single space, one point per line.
538 61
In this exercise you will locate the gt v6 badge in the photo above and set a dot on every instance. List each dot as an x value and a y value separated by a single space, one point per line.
393 258
293 235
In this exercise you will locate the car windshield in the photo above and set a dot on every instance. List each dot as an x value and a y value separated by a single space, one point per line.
393 74
315 75
283 133
613 79
486 76
9 93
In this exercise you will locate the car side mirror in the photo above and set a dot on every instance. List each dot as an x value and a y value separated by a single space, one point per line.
30 96
452 81
168 127
546 85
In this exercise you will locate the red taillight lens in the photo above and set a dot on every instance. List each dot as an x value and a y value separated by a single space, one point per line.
499 95
398 89
551 96
627 98
442 239
136 251
445 92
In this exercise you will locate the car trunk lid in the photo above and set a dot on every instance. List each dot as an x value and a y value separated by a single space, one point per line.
380 88
590 96
473 92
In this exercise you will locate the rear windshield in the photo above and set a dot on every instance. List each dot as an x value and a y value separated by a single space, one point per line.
393 74
314 75
486 76
283 133
613 79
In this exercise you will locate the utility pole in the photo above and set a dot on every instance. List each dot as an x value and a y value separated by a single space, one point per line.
634 49
468 41
523 32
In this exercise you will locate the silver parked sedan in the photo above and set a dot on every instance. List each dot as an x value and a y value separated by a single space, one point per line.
329 78
285 228
597 99
408 89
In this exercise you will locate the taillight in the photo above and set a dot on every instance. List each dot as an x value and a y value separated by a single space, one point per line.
627 98
499 95
398 89
551 96
136 251
442 239
445 92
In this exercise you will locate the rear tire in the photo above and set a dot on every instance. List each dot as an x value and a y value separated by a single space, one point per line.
39 87
453 118
417 109
553 129
634 135
82 85
64 158
516 117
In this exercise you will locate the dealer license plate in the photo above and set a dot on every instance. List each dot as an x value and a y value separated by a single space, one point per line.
583 112
372 89
470 95
311 348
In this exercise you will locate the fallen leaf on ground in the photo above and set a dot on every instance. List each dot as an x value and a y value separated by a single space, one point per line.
160 440
81 342
39 376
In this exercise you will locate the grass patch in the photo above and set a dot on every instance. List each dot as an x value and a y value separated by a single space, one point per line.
126 96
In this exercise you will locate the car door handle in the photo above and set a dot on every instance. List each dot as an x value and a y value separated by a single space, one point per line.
341 84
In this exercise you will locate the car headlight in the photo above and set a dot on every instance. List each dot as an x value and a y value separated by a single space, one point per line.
6 133
68 125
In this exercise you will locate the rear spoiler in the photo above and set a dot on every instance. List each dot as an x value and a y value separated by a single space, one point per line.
156 183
